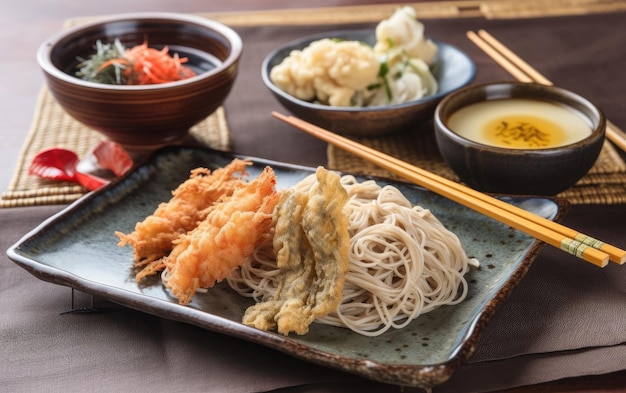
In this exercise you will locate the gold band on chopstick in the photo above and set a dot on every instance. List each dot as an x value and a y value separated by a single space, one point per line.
574 247
590 241
538 227
524 72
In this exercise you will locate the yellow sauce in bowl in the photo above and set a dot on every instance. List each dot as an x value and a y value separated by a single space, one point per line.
519 123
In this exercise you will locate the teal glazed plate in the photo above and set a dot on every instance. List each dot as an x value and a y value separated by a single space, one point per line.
78 248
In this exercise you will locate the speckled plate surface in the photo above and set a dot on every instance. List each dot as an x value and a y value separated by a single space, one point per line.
77 248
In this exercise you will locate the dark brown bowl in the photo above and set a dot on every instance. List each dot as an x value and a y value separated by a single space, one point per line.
518 171
144 115
454 70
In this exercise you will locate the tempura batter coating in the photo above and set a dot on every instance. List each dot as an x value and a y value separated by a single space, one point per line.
224 240
191 201
311 242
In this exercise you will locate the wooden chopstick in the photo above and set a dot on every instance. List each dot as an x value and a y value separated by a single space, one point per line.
541 228
524 72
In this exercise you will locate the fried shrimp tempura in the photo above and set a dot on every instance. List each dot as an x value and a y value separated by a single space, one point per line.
191 201
311 242
223 240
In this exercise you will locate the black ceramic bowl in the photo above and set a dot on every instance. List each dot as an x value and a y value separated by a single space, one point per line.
144 115
545 171
454 70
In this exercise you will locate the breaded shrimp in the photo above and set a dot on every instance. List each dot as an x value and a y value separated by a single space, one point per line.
223 240
153 237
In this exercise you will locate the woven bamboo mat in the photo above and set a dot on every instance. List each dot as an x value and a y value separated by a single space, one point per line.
53 127
489 9
604 184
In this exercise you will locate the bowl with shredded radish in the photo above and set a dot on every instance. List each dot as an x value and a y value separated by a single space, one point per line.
142 79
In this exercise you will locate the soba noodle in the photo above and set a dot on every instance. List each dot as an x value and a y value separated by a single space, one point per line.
403 262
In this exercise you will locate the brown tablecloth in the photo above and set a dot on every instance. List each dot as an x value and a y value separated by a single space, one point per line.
565 318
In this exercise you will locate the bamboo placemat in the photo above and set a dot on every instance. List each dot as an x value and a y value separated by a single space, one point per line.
53 127
489 9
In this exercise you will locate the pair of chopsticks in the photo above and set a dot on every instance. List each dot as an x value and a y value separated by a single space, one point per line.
557 235
524 72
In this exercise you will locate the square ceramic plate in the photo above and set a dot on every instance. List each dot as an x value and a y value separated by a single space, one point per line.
78 248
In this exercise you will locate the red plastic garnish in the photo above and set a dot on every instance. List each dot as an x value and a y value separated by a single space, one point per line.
62 165
113 157
90 182
55 164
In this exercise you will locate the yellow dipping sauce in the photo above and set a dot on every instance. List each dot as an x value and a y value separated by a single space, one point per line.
519 123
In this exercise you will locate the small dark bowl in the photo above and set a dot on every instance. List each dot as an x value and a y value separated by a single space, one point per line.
144 115
453 71
518 171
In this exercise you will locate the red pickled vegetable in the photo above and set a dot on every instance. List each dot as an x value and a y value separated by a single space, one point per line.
55 164
89 181
139 65
149 65
62 165
113 157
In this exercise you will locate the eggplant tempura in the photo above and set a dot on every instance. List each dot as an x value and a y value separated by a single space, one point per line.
311 241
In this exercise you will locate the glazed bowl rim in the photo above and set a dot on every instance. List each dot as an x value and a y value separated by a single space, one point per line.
597 127
45 49
357 32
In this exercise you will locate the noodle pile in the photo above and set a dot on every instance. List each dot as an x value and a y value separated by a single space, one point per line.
403 262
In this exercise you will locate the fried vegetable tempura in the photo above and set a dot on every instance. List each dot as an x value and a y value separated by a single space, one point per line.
153 238
311 242
224 240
